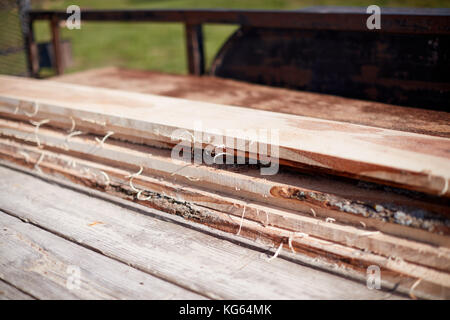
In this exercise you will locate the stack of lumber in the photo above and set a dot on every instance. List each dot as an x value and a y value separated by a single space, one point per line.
345 196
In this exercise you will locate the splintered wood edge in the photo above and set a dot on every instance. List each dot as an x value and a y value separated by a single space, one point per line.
123 157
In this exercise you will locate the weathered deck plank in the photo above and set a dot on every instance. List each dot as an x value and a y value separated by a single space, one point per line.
39 262
214 267
8 292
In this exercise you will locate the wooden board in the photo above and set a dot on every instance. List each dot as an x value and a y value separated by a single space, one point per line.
41 264
414 161
9 292
342 259
349 204
236 93
93 174
213 267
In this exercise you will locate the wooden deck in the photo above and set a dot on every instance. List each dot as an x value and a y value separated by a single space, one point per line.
123 250
127 251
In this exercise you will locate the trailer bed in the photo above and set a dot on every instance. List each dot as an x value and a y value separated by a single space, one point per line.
127 251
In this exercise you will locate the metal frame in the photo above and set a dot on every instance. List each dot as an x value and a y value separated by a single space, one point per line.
411 21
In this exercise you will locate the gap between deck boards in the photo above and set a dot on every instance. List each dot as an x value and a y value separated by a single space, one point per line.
179 221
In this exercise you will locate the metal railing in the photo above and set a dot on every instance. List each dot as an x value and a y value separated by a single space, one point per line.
410 21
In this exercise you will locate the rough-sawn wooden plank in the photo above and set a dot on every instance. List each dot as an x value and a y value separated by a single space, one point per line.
414 161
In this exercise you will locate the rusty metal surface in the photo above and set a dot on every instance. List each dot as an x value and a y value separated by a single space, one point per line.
195 51
410 21
56 45
402 69
319 49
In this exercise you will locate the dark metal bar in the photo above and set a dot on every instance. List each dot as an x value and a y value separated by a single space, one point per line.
28 38
56 44
194 48
32 51
436 21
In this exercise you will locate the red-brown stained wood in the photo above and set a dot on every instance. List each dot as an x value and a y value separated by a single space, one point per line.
232 92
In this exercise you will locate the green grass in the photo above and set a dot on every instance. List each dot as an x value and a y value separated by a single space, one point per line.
161 46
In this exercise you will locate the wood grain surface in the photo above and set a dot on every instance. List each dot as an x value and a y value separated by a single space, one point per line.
413 161
210 266
247 95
